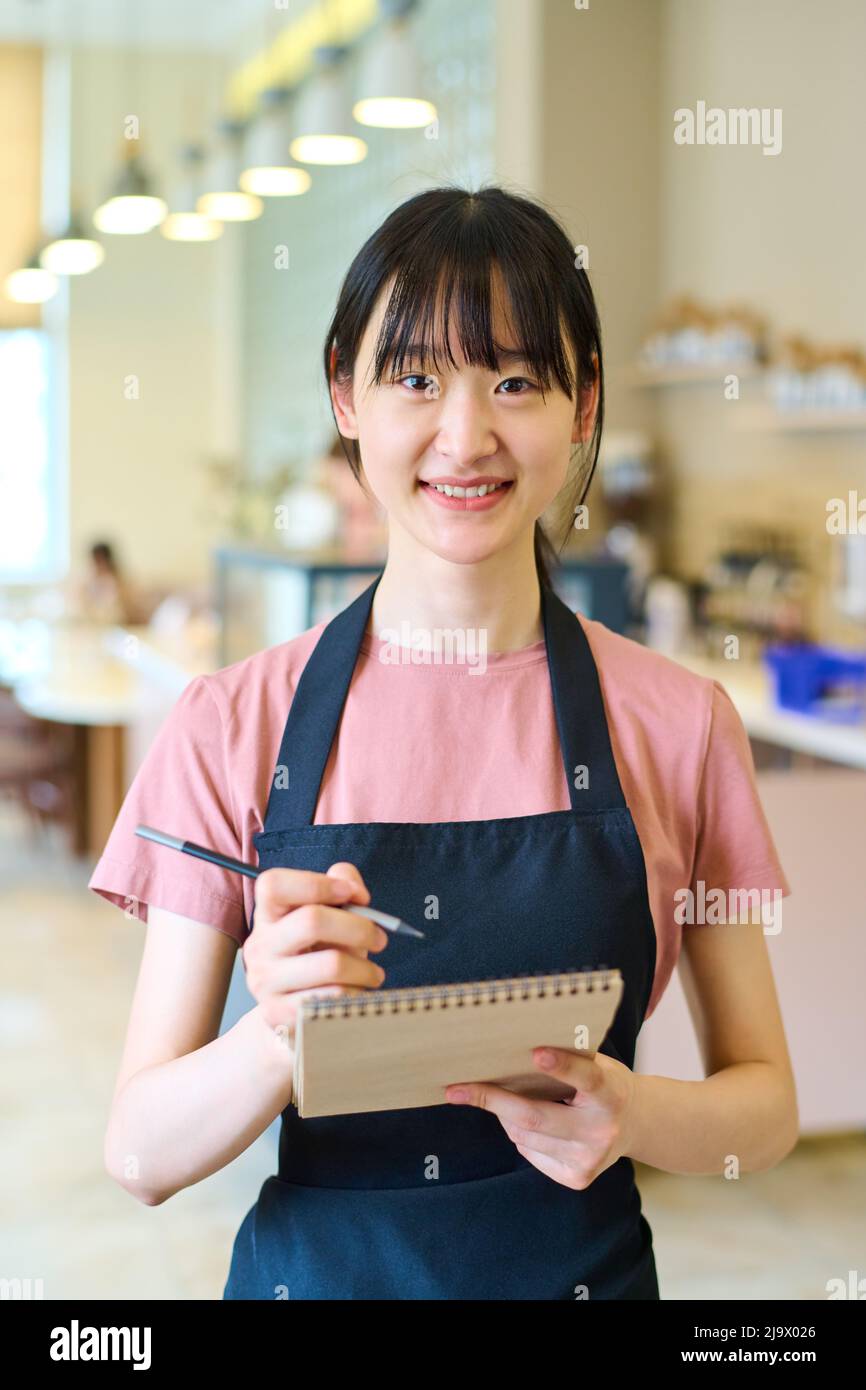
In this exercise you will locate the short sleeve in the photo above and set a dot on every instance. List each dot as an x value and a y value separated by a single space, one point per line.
734 849
182 787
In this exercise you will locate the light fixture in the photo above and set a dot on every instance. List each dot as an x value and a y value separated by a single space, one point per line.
132 207
324 121
30 284
183 223
224 200
72 253
266 168
390 80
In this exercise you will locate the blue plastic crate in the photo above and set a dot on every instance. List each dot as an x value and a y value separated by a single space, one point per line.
819 681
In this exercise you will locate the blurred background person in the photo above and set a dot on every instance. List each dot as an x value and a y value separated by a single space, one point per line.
104 594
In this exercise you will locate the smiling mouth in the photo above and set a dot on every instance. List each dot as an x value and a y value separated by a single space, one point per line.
449 490
466 499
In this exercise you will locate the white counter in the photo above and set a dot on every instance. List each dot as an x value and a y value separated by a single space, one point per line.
750 687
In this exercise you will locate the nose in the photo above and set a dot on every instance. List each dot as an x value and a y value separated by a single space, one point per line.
465 432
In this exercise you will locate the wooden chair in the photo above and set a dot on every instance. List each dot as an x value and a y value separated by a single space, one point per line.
37 767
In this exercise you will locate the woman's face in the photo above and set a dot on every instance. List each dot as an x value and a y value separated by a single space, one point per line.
461 426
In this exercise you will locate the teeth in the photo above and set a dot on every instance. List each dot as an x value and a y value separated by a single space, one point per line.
481 491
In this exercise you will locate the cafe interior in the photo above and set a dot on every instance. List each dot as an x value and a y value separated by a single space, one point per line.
183 187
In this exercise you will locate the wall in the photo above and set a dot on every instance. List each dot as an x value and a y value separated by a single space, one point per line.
599 167
20 171
156 310
784 232
724 223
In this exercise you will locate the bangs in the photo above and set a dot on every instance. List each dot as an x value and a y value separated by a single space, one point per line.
475 277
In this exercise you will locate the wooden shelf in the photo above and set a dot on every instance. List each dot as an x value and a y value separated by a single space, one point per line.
763 417
701 373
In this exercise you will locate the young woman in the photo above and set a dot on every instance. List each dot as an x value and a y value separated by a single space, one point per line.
550 807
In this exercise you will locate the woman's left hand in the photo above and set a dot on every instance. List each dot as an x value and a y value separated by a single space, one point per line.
572 1141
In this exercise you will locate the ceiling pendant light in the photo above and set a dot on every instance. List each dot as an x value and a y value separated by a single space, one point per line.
224 200
73 252
132 207
183 223
390 81
31 283
267 171
324 120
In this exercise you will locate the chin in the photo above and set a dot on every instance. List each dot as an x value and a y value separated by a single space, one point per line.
460 553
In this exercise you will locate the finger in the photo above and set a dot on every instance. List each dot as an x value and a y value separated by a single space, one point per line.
313 925
315 969
278 891
565 1151
547 1117
351 874
348 872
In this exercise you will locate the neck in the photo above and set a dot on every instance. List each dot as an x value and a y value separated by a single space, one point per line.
499 594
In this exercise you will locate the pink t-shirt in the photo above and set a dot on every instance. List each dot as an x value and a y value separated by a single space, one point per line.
435 743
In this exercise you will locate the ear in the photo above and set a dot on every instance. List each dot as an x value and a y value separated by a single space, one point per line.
342 399
584 419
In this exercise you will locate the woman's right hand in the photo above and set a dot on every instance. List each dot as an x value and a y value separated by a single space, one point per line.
302 943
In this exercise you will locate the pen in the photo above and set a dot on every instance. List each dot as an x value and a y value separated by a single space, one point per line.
239 866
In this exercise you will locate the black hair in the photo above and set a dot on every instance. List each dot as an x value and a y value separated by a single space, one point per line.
102 550
454 239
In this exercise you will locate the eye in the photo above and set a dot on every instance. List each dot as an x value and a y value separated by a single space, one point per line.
520 380
426 382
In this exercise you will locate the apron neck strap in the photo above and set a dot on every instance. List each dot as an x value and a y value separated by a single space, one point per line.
584 737
315 711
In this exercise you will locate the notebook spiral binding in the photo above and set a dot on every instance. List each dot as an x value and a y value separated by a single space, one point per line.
410 999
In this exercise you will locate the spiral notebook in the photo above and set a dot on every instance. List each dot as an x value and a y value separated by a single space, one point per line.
393 1049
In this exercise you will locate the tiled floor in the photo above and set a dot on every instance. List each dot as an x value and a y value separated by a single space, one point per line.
70 964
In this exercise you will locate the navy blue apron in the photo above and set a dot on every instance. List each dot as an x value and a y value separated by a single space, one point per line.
436 1202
